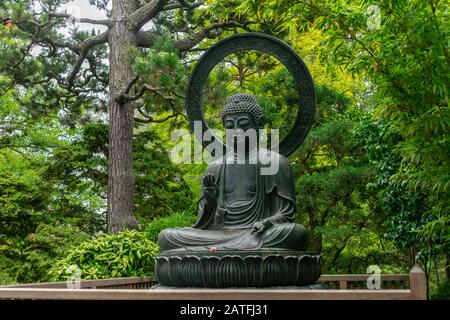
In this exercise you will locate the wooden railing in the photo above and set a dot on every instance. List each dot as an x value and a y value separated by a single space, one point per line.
114 283
345 281
359 281
402 286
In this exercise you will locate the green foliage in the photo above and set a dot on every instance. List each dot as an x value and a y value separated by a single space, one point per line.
81 168
23 198
351 248
400 211
442 293
53 184
126 254
164 75
372 177
43 247
6 279
28 260
177 219
159 185
402 131
407 61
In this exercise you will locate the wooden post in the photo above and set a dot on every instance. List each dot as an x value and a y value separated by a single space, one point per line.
418 283
343 284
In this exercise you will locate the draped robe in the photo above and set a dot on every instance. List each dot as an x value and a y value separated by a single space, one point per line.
229 226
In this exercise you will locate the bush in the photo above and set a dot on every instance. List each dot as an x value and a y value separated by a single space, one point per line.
6 279
28 260
46 245
178 219
442 293
126 254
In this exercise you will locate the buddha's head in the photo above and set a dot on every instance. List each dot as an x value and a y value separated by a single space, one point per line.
242 117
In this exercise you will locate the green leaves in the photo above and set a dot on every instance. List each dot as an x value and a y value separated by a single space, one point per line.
406 66
29 259
126 254
372 177
176 219
161 69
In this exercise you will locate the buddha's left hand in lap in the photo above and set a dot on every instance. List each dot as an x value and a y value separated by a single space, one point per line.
260 226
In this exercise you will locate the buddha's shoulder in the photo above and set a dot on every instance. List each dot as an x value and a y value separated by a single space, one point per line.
215 165
269 156
266 157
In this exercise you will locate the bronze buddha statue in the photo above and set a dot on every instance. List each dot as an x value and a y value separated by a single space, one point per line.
240 208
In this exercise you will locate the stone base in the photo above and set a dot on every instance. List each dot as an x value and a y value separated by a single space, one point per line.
315 286
225 269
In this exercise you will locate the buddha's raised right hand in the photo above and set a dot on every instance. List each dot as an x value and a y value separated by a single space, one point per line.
210 188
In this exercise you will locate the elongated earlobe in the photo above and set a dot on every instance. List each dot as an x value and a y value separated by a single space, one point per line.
261 123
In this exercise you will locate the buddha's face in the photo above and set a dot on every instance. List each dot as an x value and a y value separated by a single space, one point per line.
239 126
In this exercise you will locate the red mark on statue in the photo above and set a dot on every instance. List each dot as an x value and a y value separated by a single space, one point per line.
213 249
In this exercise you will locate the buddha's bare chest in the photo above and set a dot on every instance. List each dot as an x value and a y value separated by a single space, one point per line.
240 181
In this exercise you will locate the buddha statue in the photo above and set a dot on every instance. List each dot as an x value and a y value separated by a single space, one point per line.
240 208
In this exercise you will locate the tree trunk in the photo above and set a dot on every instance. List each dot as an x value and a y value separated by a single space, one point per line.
120 167
412 256
447 267
316 243
315 239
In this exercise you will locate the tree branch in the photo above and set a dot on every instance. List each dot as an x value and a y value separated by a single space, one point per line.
55 45
85 46
145 13
150 119
123 98
131 84
340 249
191 4
103 78
183 4
105 22
147 39
211 32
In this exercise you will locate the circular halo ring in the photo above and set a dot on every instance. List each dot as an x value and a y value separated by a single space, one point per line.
267 44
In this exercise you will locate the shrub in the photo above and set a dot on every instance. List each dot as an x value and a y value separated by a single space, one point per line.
178 219
6 279
46 245
442 293
28 260
128 253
